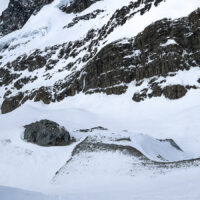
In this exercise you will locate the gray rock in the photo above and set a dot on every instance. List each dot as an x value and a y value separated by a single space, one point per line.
12 103
18 13
110 70
77 6
46 133
174 91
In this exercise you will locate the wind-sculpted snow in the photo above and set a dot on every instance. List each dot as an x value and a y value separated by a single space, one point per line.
123 154
113 133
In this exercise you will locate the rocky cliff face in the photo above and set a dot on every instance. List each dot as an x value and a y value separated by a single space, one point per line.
151 60
77 6
18 13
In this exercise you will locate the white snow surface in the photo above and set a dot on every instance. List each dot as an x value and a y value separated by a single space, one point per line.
31 167
155 118
178 185
8 193
3 5
169 42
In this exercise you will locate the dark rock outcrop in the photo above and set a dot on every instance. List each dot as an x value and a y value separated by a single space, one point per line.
146 56
170 92
160 51
42 94
76 6
18 13
84 17
174 91
46 133
12 103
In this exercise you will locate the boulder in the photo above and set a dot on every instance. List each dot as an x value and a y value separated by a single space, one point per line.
46 133
174 91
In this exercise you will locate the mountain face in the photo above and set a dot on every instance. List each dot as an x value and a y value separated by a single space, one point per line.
99 99
90 63
18 13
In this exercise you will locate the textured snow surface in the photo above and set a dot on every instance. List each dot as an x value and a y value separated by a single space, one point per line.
32 167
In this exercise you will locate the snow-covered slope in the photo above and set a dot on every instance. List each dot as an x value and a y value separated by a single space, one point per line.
8 193
4 5
124 80
178 120
56 54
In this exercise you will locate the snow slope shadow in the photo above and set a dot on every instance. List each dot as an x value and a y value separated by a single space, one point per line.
7 193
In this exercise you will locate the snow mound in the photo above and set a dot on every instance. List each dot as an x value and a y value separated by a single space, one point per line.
159 150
